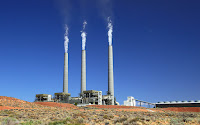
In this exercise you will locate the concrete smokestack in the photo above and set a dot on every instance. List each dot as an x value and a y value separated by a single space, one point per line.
65 76
83 71
83 60
110 74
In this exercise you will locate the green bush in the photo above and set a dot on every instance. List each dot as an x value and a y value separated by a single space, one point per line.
9 121
175 121
68 121
108 116
31 122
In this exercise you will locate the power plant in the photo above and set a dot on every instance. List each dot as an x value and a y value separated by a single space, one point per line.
94 97
86 97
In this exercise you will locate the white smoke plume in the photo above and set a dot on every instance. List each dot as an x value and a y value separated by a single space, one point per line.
110 30
105 8
83 35
65 8
84 24
66 39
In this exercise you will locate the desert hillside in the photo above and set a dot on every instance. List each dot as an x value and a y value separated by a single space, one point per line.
14 111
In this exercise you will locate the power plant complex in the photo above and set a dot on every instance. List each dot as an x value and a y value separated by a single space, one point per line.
94 97
86 97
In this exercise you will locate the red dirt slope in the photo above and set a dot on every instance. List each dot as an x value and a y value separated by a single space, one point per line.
125 108
8 107
183 109
13 102
114 106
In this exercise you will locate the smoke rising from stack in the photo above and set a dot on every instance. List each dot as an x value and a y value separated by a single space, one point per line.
110 30
83 59
110 62
66 39
65 8
83 35
65 75
105 8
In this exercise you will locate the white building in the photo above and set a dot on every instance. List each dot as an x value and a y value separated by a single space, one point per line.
130 101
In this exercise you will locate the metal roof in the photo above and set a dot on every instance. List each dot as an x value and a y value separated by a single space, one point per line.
90 91
43 95
62 93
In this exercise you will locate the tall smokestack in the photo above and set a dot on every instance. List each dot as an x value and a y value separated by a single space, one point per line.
83 71
65 75
110 74
110 62
83 60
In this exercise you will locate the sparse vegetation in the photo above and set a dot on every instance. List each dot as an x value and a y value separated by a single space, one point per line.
120 120
60 114
75 103
68 121
108 116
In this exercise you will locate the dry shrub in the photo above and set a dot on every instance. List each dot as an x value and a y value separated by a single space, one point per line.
108 116
120 120
80 115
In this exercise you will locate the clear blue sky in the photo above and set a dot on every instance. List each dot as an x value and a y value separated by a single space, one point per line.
156 48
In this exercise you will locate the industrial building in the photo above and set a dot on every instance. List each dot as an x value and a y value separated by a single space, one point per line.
167 104
43 98
130 101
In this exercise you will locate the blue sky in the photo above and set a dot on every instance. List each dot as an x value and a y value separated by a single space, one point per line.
156 48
